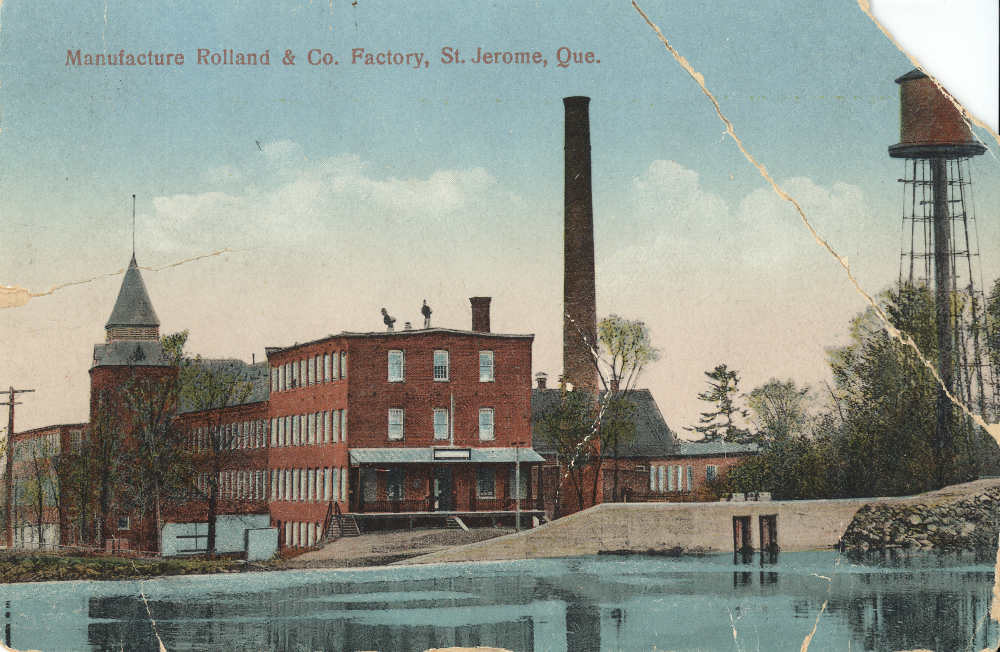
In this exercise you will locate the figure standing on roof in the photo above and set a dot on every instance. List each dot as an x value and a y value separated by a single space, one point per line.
426 312
389 321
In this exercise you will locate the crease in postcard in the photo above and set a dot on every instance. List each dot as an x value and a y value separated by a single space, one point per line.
865 6
15 296
994 428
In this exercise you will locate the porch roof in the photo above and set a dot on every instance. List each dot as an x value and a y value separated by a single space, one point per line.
442 454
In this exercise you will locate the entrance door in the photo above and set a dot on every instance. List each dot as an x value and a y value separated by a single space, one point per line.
442 489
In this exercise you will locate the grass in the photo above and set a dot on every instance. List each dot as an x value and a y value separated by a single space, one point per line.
42 567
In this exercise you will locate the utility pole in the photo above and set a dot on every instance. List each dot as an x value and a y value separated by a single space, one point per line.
9 481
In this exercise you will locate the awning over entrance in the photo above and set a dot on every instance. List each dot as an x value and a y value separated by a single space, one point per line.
442 454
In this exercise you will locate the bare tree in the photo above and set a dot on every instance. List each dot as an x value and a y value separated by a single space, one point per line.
214 387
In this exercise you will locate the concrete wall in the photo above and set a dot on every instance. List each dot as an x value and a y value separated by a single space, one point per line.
261 543
692 527
230 534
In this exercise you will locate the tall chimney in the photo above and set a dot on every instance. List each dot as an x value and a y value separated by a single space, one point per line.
579 294
480 314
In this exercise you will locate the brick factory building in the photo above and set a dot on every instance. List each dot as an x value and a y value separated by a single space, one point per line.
400 428
359 430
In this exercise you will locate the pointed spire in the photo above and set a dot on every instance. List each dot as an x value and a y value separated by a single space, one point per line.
133 316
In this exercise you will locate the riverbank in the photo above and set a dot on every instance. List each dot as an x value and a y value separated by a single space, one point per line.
50 566
962 517
377 549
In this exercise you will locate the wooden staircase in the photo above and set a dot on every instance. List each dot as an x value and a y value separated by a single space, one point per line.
455 523
348 526
339 524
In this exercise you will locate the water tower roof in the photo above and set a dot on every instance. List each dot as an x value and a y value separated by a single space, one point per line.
916 73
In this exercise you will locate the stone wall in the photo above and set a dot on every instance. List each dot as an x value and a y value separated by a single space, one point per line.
944 522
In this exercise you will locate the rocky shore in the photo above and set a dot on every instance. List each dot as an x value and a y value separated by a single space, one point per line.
937 521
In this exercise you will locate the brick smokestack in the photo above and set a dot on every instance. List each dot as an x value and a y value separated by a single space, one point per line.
480 314
579 294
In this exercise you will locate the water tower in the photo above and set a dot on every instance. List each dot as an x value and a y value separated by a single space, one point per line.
940 244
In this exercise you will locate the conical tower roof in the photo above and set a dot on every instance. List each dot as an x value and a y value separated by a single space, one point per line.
133 307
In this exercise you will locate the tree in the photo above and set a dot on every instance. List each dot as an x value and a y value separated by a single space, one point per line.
162 469
39 486
569 427
99 467
718 424
779 410
991 327
213 387
888 398
624 351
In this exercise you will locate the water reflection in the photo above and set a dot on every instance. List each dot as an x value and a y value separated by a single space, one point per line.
633 603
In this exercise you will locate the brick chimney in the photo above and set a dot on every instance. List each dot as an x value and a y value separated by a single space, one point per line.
579 293
480 314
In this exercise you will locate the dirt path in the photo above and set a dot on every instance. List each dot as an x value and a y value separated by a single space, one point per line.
382 548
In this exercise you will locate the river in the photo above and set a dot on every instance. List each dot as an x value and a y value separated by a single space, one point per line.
936 601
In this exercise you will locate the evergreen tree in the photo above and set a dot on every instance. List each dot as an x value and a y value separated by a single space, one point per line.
718 424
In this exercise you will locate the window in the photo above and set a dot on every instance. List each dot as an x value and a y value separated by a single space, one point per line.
394 487
343 425
395 424
652 478
326 367
663 483
343 365
310 371
690 478
123 523
486 482
441 365
396 367
486 424
76 440
486 366
711 472
334 366
525 471
440 423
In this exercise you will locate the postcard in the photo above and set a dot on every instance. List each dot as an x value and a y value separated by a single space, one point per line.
648 325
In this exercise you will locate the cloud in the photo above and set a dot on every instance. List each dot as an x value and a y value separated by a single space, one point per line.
296 201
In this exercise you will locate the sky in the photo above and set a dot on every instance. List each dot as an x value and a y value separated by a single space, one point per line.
281 203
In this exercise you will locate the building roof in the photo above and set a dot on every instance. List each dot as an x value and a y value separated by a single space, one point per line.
271 350
428 455
129 353
256 374
714 448
133 307
653 437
